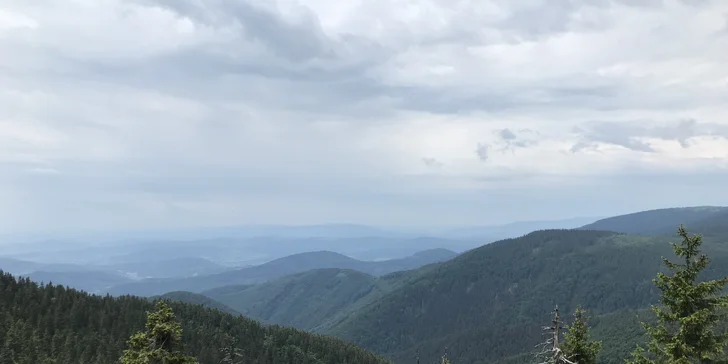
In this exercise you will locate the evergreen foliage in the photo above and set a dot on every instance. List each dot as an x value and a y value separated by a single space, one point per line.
160 343
49 324
689 311
578 348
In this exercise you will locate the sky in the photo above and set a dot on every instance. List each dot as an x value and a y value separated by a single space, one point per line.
138 114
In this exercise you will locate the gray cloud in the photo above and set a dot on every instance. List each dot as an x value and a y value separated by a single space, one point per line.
119 113
432 163
507 134
298 41
510 141
627 134
483 151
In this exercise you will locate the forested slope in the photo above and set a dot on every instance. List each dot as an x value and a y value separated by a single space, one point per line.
701 219
52 324
195 299
490 303
306 300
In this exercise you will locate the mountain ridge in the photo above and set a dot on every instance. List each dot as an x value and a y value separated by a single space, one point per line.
293 264
313 301
195 299
480 301
661 221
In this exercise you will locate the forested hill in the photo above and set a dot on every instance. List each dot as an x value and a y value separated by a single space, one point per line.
195 299
707 220
490 303
292 264
52 324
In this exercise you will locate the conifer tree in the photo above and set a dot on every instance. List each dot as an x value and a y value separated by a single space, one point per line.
577 347
689 312
160 343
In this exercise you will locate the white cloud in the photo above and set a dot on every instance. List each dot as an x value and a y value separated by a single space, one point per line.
184 112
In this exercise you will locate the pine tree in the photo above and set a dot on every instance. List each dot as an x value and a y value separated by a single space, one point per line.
577 346
689 313
160 343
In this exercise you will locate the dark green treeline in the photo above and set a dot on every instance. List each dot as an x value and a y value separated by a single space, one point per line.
43 324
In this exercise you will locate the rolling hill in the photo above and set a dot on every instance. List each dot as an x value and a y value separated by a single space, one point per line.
20 267
488 304
278 268
704 219
51 324
306 300
167 268
90 281
313 301
100 278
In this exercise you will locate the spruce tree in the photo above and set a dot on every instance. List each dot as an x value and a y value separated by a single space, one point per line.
689 312
160 343
577 347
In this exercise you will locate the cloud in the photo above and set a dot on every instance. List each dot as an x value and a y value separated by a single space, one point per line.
635 135
432 163
179 113
297 37
510 141
482 151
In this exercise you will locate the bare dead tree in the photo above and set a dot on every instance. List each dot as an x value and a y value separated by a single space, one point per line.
549 351
231 354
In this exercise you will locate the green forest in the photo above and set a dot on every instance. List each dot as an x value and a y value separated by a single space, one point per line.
43 324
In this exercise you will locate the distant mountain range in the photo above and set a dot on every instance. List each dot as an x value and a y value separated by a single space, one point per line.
516 229
99 278
23 267
278 268
318 300
88 280
257 244
331 230
488 304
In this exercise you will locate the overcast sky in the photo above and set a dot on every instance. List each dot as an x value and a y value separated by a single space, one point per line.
175 113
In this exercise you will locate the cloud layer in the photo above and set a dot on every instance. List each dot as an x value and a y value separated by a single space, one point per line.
120 114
